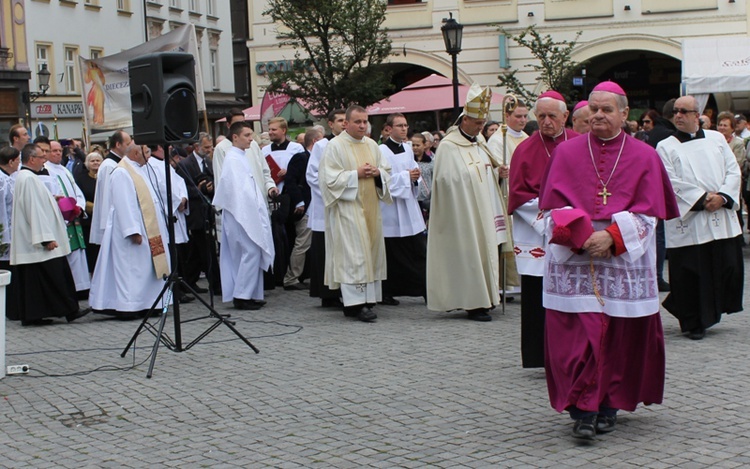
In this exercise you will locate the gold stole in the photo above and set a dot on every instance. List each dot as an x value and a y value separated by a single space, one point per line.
148 210
367 193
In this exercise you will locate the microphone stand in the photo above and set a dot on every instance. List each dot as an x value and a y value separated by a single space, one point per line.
173 283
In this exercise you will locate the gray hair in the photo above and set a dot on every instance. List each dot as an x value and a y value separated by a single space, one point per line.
561 104
203 136
620 100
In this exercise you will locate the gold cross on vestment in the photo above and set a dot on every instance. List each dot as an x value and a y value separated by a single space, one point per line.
476 165
604 194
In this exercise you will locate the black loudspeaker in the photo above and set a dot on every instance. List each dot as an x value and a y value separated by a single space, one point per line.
162 98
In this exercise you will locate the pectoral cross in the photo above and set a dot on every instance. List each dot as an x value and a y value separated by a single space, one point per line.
715 218
604 194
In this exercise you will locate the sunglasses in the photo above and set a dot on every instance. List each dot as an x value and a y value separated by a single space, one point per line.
683 111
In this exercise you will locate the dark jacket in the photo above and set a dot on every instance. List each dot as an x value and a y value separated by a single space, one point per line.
191 171
295 182
663 128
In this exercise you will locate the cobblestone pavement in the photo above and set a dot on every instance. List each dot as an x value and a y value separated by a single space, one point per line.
415 389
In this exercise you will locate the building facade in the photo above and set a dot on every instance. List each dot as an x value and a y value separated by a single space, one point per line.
636 42
59 31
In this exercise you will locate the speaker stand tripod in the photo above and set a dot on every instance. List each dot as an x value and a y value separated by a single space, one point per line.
172 289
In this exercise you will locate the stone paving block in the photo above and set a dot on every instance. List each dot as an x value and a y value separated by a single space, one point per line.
407 391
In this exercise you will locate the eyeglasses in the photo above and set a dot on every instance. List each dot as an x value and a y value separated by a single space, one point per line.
647 122
402 125
684 111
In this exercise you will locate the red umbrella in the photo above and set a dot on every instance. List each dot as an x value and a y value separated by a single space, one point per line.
428 94
251 114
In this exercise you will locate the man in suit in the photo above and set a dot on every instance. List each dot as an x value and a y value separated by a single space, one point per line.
295 184
198 173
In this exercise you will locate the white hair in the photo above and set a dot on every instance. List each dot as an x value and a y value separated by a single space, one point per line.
560 104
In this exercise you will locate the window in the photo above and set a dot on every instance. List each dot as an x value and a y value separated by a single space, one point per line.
123 5
71 57
214 59
211 7
193 6
95 53
174 3
43 54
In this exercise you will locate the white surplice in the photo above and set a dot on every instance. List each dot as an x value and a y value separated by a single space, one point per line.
220 151
528 237
246 241
282 157
404 216
626 283
124 277
36 219
179 191
316 219
696 167
102 202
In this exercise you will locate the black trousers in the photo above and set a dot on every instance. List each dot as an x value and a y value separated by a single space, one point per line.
199 255
532 322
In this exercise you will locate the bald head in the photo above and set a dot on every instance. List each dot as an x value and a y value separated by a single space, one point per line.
134 153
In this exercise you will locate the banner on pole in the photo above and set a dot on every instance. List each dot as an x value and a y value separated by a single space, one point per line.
106 86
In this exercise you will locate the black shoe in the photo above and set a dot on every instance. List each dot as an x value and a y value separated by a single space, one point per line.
78 314
130 315
367 315
585 428
37 322
508 299
697 334
247 305
296 286
185 298
479 315
258 302
197 289
663 286
389 301
331 303
605 424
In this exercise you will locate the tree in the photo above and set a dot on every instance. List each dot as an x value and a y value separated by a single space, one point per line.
556 69
339 48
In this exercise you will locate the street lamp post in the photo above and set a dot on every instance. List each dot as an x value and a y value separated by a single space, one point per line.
43 76
452 34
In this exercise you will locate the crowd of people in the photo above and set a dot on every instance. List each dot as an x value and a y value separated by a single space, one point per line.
574 215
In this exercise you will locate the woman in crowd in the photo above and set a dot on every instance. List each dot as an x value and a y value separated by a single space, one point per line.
437 136
86 180
725 124
429 139
489 128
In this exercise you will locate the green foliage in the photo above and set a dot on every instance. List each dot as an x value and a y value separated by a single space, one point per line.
341 45
555 68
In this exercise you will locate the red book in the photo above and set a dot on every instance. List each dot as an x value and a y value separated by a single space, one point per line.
274 169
